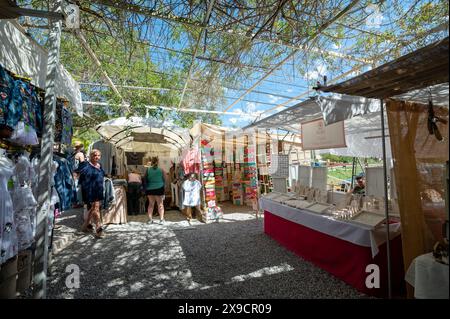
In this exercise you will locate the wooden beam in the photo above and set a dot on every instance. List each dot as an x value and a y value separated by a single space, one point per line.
97 62
197 45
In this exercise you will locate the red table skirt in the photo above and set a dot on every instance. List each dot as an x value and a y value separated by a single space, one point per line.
341 258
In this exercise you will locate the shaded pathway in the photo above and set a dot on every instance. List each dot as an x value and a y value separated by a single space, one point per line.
229 259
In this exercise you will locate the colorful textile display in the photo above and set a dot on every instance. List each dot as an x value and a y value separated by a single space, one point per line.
209 181
63 123
6 86
250 176
67 129
20 108
191 161
214 213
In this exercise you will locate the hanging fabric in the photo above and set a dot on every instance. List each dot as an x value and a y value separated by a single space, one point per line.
8 234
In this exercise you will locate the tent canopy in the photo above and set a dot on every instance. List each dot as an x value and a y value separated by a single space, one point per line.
438 94
419 69
137 134
361 117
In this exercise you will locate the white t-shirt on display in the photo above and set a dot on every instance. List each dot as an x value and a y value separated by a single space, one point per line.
191 193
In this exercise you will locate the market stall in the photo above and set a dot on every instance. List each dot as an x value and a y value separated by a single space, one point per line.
233 164
24 136
414 89
314 221
129 143
342 247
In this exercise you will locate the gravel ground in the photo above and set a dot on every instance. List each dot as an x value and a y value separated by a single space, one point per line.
229 259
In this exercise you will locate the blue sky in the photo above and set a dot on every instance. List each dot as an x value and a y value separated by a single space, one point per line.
283 84
280 87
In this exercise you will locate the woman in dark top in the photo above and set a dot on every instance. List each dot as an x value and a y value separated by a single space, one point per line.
91 181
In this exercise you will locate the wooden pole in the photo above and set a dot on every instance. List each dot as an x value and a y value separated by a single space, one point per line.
46 164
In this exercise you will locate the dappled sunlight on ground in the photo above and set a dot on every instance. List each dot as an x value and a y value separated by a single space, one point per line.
232 258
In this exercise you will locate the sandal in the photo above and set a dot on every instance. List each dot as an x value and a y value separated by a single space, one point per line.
100 233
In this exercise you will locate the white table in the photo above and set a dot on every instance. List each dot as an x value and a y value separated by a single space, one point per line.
357 234
341 248
428 277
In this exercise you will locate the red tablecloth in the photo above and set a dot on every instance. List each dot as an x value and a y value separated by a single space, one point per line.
341 258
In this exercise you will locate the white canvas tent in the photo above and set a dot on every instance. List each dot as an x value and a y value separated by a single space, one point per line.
361 118
137 134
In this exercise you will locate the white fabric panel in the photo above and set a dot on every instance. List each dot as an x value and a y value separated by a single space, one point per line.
439 95
428 277
375 181
319 178
20 54
339 107
160 150
356 234
363 137
304 175
293 174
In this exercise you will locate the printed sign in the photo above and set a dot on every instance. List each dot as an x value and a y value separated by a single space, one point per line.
316 136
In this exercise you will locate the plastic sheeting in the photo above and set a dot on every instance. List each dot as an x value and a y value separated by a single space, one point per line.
437 93
340 107
363 137
20 54
361 118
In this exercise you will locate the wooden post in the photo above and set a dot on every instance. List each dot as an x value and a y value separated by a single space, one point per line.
46 164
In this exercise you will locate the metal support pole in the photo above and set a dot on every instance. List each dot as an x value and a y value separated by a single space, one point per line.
45 167
386 206
353 173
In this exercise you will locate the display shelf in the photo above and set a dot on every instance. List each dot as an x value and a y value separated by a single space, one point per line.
367 218
319 208
298 203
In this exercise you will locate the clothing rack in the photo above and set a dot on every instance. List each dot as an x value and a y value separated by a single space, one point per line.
11 146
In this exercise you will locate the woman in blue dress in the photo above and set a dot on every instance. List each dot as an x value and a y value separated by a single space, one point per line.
91 181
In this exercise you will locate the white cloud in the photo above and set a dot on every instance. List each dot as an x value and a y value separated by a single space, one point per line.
233 120
290 90
251 106
336 46
319 72
322 69
311 75
273 99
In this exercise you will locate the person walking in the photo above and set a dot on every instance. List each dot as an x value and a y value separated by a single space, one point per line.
91 181
134 191
77 157
154 181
